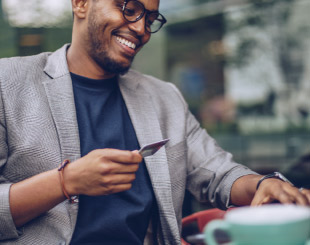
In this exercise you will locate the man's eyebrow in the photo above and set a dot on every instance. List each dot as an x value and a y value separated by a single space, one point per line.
153 11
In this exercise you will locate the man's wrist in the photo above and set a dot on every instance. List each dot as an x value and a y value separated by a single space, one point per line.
71 198
274 175
243 189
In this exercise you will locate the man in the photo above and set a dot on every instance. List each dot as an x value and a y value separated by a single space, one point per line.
81 104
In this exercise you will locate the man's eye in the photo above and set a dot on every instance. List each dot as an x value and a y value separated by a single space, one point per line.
129 12
151 18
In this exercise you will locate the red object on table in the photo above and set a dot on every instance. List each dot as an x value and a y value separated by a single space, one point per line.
200 219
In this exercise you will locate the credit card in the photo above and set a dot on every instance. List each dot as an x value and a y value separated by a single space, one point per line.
151 149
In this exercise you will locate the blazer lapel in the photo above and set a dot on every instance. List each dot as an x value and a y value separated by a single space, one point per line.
61 101
59 92
147 127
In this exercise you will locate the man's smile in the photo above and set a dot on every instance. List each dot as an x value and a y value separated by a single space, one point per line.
126 42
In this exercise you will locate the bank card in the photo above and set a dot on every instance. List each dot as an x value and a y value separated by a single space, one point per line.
152 148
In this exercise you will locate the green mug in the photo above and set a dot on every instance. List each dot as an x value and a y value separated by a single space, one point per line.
270 224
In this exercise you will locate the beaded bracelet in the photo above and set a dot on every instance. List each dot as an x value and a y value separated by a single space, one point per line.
72 199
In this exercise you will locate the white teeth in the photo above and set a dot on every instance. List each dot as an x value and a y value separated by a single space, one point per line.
126 42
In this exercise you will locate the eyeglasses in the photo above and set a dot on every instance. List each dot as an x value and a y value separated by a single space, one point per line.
134 11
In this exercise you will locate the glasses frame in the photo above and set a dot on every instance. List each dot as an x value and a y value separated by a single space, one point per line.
146 13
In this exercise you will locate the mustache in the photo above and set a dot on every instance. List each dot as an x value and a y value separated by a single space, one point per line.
130 35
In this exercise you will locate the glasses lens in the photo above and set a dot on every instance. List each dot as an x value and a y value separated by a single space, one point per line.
154 22
133 11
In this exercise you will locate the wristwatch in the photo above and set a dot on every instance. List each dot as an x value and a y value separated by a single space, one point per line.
276 175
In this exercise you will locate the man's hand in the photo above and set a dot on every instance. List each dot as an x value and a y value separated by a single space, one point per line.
244 192
272 190
102 172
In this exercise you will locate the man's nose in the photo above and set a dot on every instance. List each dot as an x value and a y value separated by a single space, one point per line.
138 27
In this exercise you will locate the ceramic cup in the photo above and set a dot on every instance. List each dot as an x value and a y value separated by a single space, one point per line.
271 224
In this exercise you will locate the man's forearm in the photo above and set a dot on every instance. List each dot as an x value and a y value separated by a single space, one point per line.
101 172
243 190
35 196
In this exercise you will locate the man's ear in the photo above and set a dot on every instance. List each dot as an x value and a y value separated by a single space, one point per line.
79 8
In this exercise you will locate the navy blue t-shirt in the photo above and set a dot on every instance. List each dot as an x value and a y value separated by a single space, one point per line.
104 122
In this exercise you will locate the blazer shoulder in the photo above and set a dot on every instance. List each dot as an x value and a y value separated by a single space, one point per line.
20 68
23 64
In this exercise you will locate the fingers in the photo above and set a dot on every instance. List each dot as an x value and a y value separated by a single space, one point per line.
306 193
296 196
119 162
110 167
103 172
118 179
120 156
284 197
276 190
260 199
113 184
117 188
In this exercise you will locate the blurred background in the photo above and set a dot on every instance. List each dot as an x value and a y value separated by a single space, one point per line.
242 65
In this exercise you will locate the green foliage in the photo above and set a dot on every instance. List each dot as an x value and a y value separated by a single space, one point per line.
221 128
7 37
264 15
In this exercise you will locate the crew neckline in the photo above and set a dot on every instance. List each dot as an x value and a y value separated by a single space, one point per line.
81 81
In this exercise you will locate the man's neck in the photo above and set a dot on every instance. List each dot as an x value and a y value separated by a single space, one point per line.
81 64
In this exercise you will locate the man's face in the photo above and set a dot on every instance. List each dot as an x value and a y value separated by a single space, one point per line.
112 41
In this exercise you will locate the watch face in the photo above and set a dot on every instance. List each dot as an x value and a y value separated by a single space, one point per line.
282 177
274 175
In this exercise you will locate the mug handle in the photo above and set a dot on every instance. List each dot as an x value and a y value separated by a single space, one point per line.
210 229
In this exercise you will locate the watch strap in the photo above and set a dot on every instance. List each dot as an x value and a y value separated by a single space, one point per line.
276 175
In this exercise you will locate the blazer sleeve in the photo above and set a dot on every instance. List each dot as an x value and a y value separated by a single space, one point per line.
7 226
211 171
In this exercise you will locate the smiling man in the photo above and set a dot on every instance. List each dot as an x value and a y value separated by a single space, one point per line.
70 126
107 35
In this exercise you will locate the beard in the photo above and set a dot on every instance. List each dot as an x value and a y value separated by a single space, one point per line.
100 54
107 63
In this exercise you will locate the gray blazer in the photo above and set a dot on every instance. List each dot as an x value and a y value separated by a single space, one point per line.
38 129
